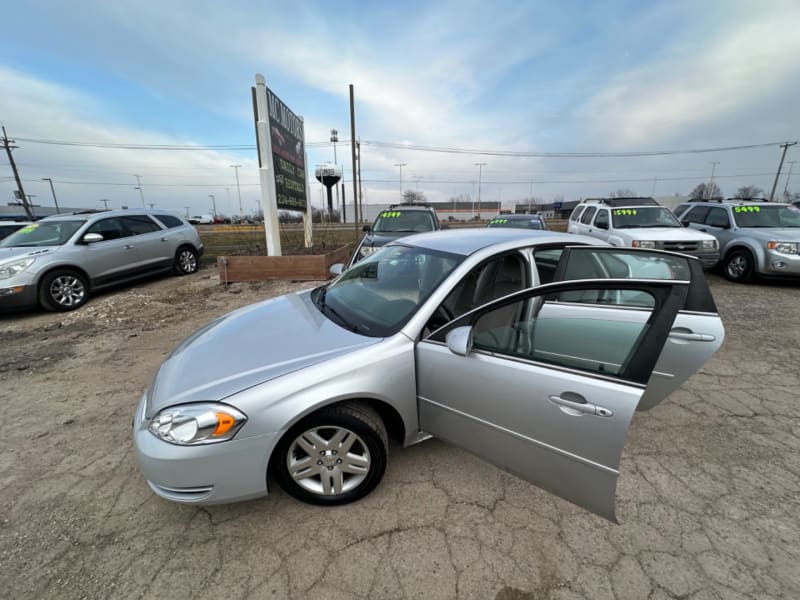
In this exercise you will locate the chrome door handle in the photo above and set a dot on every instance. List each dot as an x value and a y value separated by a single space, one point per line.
128 246
575 407
164 239
690 336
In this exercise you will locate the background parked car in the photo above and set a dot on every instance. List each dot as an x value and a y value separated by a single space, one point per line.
58 261
755 238
400 220
641 223
201 220
9 227
526 221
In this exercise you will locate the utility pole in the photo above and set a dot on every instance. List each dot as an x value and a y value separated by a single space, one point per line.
711 181
239 192
785 147
52 189
401 165
788 177
334 139
480 173
30 203
213 206
20 195
139 187
105 202
187 211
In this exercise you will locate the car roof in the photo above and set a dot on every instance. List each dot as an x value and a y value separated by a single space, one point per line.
407 207
519 217
106 213
467 241
20 223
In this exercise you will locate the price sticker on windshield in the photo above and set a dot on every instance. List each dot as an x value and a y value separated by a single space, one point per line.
390 214
28 229
624 212
746 209
499 221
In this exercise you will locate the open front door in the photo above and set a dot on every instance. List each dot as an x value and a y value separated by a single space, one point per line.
544 390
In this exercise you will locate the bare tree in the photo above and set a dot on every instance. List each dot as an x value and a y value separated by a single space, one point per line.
748 192
413 197
706 191
623 193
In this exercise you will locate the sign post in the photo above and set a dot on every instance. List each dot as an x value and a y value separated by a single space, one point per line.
281 161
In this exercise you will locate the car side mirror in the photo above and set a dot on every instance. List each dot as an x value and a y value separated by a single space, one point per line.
459 340
685 223
366 228
336 269
91 238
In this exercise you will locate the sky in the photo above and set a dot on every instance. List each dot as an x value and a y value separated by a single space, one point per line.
496 77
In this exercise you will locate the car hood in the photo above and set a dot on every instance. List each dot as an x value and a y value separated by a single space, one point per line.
776 234
248 347
667 234
15 252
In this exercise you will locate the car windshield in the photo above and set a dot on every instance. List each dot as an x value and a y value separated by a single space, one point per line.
398 221
526 223
767 216
647 216
379 295
43 233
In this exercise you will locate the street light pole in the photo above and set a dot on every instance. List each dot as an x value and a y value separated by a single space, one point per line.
139 187
711 181
55 200
788 177
239 192
480 173
213 206
105 202
401 165
334 139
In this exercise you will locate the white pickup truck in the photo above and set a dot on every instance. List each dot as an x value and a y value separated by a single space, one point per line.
641 223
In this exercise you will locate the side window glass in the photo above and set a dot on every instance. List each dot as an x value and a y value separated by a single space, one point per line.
546 262
589 338
489 281
586 218
169 220
592 263
601 220
718 217
697 214
139 224
110 229
576 213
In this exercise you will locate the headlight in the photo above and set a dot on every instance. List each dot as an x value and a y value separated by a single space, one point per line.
10 269
784 247
710 244
644 244
367 250
196 424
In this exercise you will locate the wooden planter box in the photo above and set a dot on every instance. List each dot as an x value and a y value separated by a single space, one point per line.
300 267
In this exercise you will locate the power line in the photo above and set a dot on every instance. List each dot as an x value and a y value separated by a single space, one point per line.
414 147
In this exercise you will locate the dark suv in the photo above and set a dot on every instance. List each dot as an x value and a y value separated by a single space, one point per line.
398 221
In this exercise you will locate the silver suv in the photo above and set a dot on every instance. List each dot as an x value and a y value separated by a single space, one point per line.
754 237
641 223
58 261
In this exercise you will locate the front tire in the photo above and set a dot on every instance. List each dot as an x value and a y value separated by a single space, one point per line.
739 266
186 261
334 456
63 290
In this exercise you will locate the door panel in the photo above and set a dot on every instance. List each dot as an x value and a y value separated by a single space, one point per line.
697 332
115 257
545 392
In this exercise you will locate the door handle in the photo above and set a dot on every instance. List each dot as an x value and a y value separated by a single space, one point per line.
164 239
576 405
128 246
688 335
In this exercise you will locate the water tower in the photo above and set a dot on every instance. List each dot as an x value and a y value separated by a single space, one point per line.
328 175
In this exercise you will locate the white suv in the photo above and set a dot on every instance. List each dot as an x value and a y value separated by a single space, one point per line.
641 223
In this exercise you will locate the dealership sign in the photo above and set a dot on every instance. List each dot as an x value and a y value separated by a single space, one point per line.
288 154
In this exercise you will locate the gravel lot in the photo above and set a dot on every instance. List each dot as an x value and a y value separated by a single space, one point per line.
709 496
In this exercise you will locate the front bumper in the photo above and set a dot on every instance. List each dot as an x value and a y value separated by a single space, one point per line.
17 296
210 474
777 264
708 258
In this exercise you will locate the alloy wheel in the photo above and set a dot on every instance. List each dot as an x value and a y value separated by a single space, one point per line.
67 291
187 261
328 460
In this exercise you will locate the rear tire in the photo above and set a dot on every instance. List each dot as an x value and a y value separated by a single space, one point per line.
63 290
334 456
739 266
186 261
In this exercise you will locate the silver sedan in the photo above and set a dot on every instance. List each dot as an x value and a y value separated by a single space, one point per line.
531 349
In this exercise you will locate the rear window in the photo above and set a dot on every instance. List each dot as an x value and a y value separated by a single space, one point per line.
169 220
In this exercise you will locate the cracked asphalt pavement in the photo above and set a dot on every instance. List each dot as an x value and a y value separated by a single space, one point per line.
708 498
